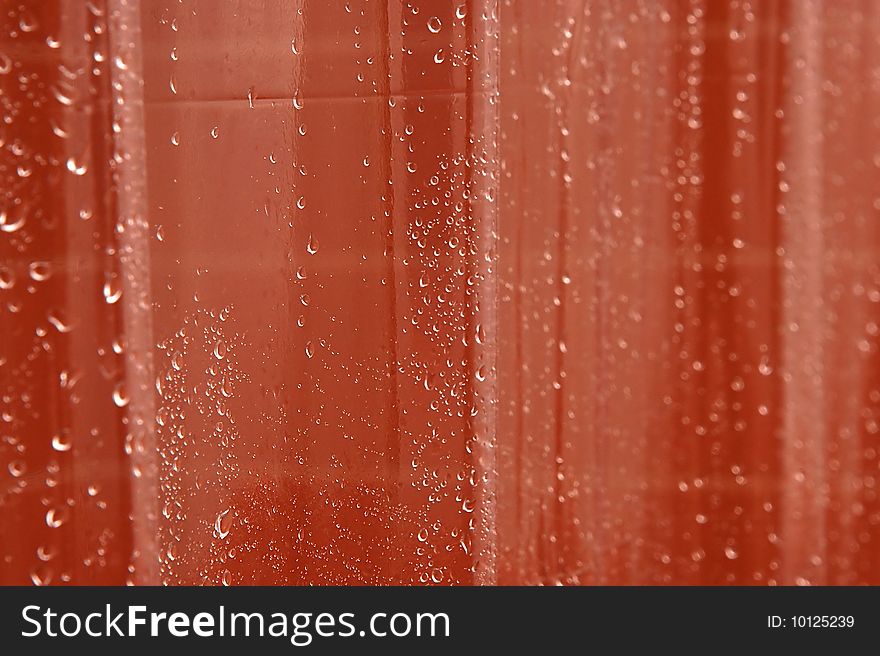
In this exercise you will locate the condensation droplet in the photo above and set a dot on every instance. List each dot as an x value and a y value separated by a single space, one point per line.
61 443
75 168
120 395
223 524
112 291
312 246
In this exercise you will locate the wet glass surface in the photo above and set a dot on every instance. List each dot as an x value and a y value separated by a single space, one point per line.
439 292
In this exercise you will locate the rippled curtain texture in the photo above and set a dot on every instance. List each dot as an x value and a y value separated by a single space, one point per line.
439 291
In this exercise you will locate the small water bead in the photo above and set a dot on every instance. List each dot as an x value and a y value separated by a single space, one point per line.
46 552
58 322
223 524
41 575
61 443
27 23
219 350
310 350
120 395
175 139
312 246
215 132
7 278
58 131
76 169
56 517
112 291
434 25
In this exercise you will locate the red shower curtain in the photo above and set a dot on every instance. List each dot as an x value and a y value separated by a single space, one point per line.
438 292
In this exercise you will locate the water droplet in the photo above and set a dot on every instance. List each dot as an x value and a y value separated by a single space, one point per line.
7 278
10 226
61 443
41 575
434 24
40 270
120 395
56 517
312 246
223 524
112 291
76 169
57 320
